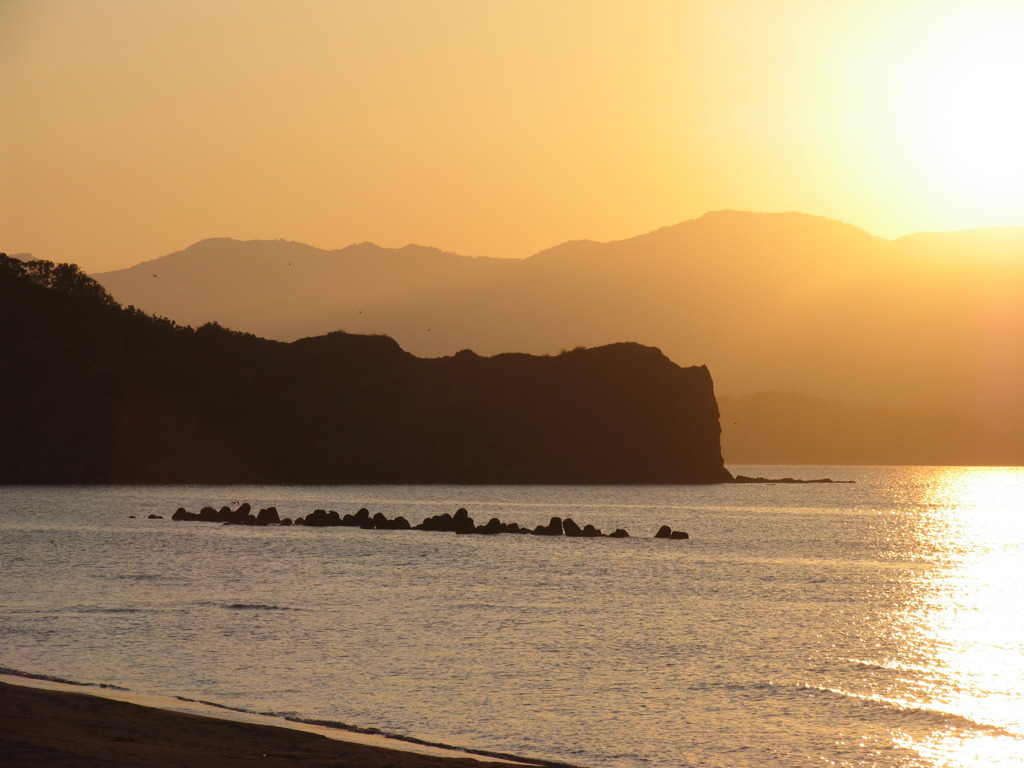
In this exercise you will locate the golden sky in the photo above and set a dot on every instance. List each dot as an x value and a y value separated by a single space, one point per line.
130 129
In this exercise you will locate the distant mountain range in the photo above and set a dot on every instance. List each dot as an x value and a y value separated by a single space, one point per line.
904 334
92 392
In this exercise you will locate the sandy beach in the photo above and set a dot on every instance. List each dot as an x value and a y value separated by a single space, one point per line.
60 729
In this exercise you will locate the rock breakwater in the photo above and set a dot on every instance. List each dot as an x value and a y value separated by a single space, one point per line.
460 522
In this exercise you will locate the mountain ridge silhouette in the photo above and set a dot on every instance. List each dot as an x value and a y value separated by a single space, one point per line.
785 302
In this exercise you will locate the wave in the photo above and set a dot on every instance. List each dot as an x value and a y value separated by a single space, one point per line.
425 743
747 686
85 609
246 606
335 725
225 707
934 714
258 607
892 666
61 680
103 609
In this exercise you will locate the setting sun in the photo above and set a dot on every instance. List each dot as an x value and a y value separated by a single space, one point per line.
963 107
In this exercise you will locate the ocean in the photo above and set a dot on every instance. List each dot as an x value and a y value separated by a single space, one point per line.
872 623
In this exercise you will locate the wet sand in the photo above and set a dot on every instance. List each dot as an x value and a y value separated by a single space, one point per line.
59 729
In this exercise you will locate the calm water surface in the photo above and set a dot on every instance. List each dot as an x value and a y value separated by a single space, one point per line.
869 624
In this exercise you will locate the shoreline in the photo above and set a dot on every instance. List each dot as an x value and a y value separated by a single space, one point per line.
44 722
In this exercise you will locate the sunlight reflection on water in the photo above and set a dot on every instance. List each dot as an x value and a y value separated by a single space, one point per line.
969 625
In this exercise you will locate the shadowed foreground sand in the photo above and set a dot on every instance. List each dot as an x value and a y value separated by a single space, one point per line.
60 730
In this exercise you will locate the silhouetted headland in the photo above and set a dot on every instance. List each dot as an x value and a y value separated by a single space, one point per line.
97 393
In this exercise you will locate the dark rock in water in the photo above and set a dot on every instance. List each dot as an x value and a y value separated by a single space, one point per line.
356 520
132 517
183 514
667 533
442 522
156 517
493 526
268 516
553 528
210 515
360 519
300 521
570 528
590 531
286 521
619 533
381 523
241 515
462 522
318 518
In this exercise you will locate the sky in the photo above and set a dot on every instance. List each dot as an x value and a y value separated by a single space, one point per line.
129 130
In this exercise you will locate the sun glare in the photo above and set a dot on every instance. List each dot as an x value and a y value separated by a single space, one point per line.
965 108
969 618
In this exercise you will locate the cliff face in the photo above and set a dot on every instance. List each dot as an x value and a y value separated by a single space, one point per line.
92 392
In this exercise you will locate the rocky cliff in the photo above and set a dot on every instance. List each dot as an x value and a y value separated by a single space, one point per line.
93 392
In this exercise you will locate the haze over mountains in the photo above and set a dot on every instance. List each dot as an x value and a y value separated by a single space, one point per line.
919 337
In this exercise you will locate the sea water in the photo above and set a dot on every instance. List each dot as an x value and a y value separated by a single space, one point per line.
873 623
